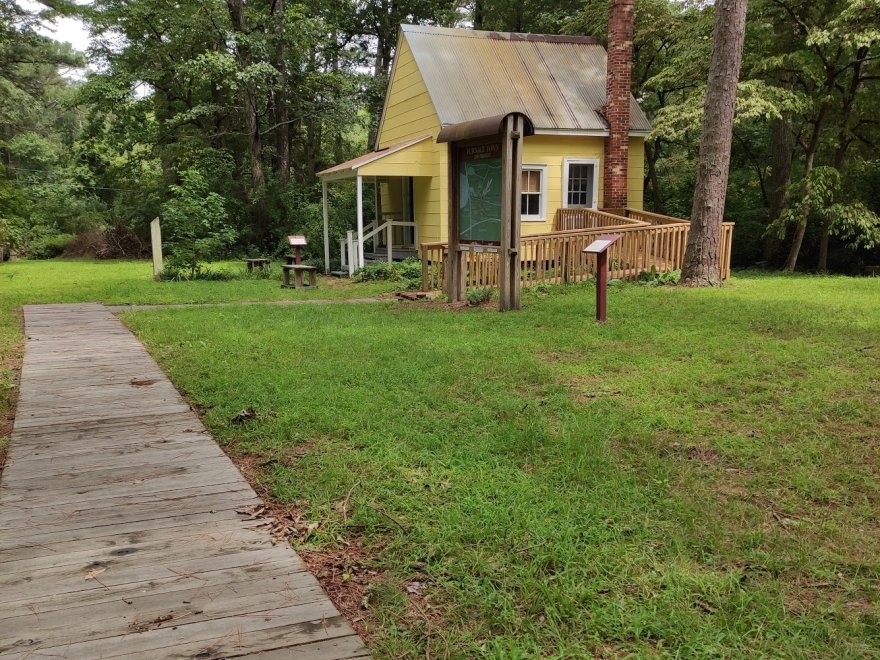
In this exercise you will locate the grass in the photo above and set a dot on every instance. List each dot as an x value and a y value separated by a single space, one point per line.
696 478
120 282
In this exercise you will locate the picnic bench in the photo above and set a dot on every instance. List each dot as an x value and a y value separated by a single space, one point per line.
259 263
299 271
294 264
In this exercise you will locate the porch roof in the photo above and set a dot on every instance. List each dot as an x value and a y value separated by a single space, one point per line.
412 157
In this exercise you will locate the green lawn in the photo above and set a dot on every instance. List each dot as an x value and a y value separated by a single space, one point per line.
698 477
118 282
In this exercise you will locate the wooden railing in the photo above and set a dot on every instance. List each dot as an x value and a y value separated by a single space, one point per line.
573 219
433 265
647 216
558 257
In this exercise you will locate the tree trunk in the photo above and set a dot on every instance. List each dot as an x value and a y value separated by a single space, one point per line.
279 101
801 229
781 150
251 123
701 263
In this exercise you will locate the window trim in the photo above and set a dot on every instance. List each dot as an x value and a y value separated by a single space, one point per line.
542 210
580 161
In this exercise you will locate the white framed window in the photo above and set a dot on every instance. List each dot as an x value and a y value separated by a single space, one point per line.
533 191
580 183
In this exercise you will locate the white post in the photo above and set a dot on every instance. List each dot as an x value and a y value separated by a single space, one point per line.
389 228
326 229
349 246
360 221
156 241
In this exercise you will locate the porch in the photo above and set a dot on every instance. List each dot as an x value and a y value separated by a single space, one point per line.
648 240
387 176
391 235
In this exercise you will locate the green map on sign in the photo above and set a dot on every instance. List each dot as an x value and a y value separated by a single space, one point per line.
480 200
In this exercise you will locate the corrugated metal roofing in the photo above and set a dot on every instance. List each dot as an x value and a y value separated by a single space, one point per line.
558 81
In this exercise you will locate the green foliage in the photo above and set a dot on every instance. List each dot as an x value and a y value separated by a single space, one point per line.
48 247
821 193
180 268
195 225
654 277
480 295
407 273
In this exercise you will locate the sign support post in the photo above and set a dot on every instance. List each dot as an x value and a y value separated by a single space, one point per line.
156 244
510 262
599 247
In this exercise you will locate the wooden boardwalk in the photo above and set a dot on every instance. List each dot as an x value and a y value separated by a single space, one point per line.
119 531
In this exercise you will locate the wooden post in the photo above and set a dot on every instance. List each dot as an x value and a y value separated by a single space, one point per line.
424 254
602 286
510 264
600 248
326 228
454 275
360 222
156 242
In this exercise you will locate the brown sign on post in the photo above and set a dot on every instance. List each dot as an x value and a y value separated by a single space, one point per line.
599 247
485 163
297 242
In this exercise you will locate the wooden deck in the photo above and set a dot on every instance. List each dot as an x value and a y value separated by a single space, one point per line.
119 527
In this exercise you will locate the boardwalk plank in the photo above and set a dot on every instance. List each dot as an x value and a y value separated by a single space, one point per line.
120 531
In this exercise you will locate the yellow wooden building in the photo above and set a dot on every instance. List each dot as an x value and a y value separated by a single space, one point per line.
442 77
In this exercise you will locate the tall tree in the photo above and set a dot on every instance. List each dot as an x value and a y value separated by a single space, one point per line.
251 112
701 264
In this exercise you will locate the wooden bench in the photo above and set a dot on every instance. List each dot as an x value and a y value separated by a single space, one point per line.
259 263
298 272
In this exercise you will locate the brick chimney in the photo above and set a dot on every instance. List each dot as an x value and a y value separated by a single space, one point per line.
617 92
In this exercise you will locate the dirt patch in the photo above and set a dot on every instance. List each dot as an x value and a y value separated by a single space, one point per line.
345 573
583 388
690 453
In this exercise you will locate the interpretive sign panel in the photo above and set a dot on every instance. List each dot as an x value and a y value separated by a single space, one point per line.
480 193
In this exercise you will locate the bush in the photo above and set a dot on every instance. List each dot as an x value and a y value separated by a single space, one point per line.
197 226
655 278
480 295
407 272
48 247
181 270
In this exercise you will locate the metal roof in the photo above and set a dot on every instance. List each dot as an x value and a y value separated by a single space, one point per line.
558 81
350 167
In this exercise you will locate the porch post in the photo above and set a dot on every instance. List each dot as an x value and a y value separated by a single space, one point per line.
360 221
389 238
326 228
